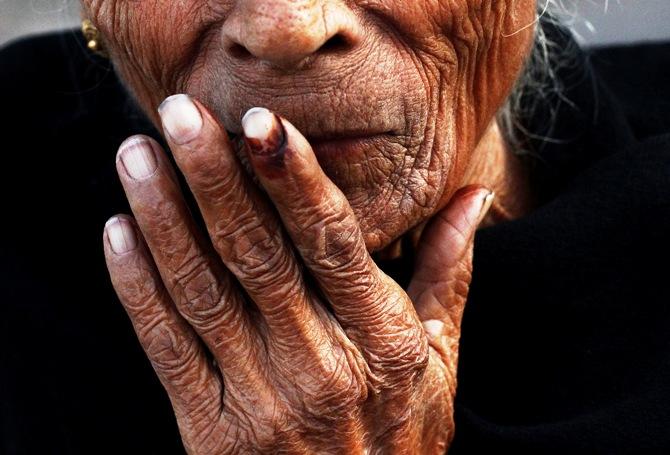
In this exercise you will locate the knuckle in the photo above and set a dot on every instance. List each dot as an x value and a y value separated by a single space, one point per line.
171 352
214 434
337 388
336 243
149 312
403 359
276 276
242 235
262 261
459 284
253 251
258 429
200 294
416 352
147 299
224 438
401 351
138 286
256 255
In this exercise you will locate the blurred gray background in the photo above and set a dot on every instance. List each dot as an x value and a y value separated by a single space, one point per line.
594 21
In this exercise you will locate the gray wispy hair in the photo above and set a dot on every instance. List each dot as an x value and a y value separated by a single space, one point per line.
538 86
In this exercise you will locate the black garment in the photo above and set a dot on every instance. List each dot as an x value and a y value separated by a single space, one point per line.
565 345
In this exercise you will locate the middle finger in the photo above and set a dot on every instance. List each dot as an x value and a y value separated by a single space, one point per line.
242 226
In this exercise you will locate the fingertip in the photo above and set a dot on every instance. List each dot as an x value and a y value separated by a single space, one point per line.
469 206
257 123
264 133
486 206
181 118
138 158
121 216
130 142
121 235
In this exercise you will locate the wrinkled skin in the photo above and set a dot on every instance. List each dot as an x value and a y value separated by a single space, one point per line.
382 109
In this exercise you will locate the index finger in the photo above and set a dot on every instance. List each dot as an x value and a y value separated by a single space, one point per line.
374 310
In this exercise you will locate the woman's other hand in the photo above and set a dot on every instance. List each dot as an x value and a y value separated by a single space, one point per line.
279 332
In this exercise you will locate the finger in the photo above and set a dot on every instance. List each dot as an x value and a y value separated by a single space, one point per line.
443 270
243 228
249 237
170 343
325 231
200 287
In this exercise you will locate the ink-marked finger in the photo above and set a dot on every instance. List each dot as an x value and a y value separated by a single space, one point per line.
373 309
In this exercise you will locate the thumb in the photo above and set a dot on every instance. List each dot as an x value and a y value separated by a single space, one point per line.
443 268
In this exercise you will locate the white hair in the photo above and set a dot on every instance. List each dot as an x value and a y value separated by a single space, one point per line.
538 86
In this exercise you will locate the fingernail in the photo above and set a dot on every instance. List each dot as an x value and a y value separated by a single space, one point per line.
486 205
263 132
121 235
181 118
138 158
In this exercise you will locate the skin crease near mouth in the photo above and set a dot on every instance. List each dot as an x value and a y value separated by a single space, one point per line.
425 78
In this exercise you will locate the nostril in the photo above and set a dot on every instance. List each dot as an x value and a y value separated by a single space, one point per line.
239 52
336 43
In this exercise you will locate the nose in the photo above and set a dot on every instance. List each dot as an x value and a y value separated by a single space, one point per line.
287 33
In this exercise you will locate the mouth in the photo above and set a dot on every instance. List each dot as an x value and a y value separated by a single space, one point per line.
333 145
330 137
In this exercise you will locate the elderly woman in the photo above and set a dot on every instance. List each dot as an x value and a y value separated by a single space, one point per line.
297 249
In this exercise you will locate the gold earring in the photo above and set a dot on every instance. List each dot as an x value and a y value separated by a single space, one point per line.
93 39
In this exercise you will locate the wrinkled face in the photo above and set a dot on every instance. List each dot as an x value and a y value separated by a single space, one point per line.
394 95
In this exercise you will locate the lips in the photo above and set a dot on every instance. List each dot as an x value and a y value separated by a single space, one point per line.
318 117
334 137
341 144
345 146
335 151
322 129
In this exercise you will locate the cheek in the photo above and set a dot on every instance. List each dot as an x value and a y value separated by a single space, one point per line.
471 53
152 42
499 40
477 46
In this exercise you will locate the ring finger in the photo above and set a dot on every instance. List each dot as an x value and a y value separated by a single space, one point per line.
198 284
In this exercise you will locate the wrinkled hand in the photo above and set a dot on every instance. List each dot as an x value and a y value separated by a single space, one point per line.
315 349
